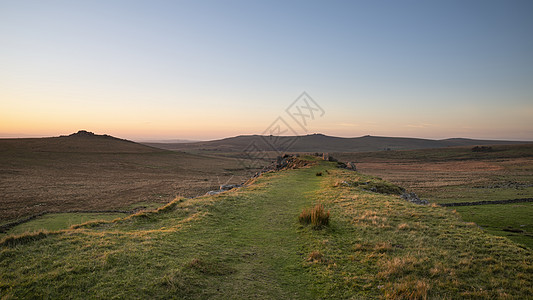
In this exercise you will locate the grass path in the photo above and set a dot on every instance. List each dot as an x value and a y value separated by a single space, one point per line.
246 246
257 234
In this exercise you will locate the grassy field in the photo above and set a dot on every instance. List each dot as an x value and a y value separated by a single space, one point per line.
460 175
511 220
101 173
248 243
61 221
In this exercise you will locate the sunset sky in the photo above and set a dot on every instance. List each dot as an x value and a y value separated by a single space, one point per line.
212 69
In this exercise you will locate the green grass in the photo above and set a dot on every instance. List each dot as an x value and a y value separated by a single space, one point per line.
248 243
467 193
53 222
516 219
384 247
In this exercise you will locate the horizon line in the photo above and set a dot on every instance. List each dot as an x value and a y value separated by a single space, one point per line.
195 140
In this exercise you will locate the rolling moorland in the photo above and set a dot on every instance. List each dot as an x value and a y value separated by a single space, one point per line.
458 174
323 143
442 171
87 172
247 243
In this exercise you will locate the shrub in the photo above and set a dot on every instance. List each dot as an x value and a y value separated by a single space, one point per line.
317 216
482 149
384 188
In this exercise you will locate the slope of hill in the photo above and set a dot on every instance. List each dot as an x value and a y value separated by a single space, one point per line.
84 171
323 143
82 141
247 243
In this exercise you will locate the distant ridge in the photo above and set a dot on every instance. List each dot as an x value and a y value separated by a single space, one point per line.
324 143
167 141
81 141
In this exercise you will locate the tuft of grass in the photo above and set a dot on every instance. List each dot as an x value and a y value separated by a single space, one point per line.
315 257
408 289
403 226
317 216
170 206
305 216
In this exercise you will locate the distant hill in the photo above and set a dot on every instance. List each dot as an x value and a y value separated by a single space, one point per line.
82 141
324 143
86 171
167 141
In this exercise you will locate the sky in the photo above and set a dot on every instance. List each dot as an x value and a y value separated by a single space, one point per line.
201 70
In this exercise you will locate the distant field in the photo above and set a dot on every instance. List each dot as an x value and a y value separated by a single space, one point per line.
461 175
454 174
101 173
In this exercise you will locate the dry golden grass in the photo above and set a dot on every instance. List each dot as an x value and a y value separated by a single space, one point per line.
371 218
403 226
315 257
412 289
452 175
317 216
397 266
417 252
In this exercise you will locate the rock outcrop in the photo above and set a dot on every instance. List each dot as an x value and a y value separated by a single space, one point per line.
413 198
351 166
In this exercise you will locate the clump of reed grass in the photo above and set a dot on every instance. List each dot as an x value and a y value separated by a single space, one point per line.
317 216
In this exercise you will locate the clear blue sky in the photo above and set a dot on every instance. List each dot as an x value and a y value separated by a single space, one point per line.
211 69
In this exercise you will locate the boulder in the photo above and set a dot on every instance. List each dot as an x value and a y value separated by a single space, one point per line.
214 192
413 198
327 157
351 166
227 187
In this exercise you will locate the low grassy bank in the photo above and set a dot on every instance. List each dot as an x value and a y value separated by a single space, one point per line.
52 222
